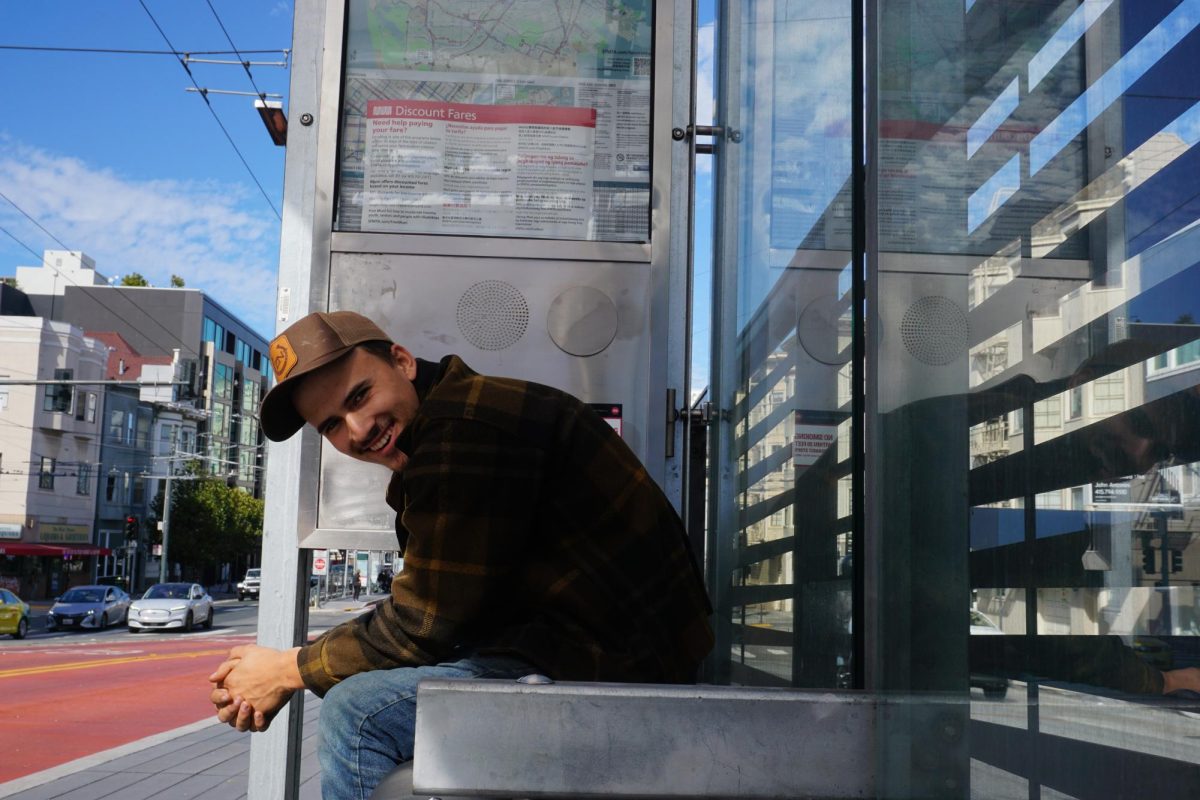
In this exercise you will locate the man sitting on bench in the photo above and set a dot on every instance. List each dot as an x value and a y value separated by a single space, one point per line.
533 541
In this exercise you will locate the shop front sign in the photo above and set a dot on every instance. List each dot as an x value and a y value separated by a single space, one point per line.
55 533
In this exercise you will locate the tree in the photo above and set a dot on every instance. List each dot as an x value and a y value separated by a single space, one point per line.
211 523
176 281
134 279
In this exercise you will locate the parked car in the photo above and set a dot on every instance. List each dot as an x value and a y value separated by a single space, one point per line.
249 585
171 605
995 687
14 615
89 607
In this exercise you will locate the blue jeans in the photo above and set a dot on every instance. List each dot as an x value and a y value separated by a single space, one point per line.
368 721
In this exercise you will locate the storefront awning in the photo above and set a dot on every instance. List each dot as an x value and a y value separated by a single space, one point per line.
52 550
28 549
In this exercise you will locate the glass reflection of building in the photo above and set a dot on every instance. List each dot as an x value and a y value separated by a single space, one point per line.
1030 368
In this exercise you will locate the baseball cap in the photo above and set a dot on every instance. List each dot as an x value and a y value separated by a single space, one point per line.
309 344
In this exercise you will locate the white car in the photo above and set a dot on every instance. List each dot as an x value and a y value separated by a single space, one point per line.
171 605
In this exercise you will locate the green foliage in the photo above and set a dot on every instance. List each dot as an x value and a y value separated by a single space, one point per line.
134 279
176 281
211 522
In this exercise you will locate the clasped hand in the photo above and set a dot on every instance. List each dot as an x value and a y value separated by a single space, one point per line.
252 684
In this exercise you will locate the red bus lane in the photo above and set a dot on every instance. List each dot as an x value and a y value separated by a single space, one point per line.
65 701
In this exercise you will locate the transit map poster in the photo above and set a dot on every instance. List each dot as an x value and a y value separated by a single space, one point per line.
537 63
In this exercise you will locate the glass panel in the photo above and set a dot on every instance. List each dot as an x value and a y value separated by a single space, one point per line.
250 391
220 421
527 119
58 396
46 473
780 526
223 382
1035 442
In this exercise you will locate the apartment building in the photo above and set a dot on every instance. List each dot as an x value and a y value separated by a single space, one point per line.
49 454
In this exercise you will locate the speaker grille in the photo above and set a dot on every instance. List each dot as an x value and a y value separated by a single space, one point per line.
935 330
492 315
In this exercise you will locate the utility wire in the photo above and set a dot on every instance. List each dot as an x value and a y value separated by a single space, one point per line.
118 51
41 257
245 63
213 111
98 301
34 221
18 241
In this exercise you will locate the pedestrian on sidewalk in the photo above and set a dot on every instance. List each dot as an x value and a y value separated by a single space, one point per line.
534 541
357 583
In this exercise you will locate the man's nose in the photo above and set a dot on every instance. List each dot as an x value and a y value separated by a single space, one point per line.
361 428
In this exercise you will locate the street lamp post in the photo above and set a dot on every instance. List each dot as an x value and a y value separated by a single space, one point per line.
166 530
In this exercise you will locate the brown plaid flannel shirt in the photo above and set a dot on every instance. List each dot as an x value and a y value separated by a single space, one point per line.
529 528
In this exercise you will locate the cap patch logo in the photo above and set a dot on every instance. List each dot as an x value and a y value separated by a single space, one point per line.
283 357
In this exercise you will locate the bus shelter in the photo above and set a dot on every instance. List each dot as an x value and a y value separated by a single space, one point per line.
932 413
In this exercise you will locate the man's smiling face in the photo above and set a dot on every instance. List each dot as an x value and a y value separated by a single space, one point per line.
361 403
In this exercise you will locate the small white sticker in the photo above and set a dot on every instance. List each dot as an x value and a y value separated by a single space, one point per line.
284 307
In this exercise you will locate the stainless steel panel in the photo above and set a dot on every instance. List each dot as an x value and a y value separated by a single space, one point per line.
506 739
418 300
383 538
344 242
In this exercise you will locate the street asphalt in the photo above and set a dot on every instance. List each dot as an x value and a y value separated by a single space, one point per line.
201 761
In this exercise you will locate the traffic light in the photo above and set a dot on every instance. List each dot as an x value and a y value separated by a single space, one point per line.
131 528
1176 561
1148 560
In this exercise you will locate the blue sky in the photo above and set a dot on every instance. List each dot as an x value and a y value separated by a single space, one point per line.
112 157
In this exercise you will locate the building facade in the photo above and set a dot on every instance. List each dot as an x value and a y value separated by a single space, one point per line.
221 360
50 455
146 435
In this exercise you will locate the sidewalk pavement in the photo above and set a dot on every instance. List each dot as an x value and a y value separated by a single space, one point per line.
202 761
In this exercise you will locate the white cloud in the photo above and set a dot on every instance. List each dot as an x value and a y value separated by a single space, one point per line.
212 235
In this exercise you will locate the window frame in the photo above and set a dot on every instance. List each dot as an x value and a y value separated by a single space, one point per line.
46 477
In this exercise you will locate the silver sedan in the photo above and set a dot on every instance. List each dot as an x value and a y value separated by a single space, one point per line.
88 607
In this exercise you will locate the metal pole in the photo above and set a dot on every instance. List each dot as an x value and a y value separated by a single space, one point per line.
166 530
1164 565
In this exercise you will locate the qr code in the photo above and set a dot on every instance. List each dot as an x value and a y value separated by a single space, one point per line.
641 66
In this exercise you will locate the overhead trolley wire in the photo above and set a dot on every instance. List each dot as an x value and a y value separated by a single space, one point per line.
245 63
9 234
35 222
204 94
127 52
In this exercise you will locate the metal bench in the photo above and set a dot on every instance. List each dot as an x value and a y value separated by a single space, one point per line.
489 738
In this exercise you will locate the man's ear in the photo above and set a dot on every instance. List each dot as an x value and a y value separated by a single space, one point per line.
405 361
